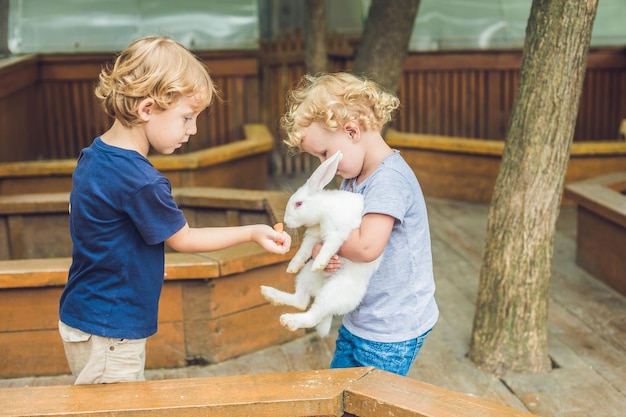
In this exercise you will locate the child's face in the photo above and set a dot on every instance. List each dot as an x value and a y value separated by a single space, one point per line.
167 130
323 143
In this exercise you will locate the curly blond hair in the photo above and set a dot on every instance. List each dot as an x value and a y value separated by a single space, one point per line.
154 67
333 100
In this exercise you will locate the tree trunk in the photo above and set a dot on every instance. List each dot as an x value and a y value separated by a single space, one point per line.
386 37
4 28
315 36
510 324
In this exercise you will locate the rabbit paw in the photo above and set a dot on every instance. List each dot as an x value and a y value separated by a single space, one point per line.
269 293
318 265
292 322
294 266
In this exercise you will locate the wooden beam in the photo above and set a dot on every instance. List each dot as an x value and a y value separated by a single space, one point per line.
361 392
384 394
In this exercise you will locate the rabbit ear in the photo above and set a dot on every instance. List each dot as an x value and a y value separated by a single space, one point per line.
325 172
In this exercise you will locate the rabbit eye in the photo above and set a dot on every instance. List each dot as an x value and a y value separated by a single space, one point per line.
298 203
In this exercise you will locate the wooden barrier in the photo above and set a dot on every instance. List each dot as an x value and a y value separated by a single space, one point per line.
467 169
601 227
211 308
357 392
48 110
241 164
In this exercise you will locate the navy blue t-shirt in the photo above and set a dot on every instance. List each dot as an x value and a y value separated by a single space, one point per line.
121 212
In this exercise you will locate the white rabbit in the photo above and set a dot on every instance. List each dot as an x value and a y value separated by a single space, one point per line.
329 216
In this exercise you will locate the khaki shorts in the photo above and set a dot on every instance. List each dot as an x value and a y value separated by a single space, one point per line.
102 360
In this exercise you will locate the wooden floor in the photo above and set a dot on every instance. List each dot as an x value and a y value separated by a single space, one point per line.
587 331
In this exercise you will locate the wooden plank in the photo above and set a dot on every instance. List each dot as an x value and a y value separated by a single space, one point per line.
166 349
42 236
600 247
32 273
17 73
34 185
357 391
602 195
232 66
31 353
227 295
485 60
233 335
17 245
190 266
382 393
244 257
455 176
223 198
312 393
34 203
171 303
38 168
5 248
17 310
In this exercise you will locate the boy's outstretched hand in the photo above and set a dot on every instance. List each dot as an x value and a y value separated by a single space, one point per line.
274 240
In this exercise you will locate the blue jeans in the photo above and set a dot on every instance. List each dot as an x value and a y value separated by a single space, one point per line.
352 351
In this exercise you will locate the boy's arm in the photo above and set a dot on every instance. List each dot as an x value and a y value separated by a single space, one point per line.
208 239
368 242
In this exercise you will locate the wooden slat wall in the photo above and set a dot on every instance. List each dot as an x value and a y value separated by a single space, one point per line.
471 94
458 93
48 110
72 116
69 113
237 76
283 65
603 101
19 125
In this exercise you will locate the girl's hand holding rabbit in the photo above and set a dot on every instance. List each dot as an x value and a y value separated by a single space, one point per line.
333 264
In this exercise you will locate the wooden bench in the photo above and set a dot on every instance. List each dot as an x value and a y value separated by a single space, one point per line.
241 164
357 392
467 169
601 227
211 308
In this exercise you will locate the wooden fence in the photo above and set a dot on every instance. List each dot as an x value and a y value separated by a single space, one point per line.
48 111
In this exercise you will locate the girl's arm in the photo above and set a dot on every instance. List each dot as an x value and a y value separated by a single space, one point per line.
365 243
208 239
368 242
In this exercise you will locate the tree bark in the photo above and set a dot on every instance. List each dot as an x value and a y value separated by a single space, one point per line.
510 323
316 58
385 41
4 28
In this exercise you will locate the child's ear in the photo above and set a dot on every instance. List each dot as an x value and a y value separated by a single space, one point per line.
145 109
352 129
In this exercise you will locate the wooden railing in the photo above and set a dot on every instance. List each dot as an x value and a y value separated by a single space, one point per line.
356 392
239 164
48 110
601 227
467 168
